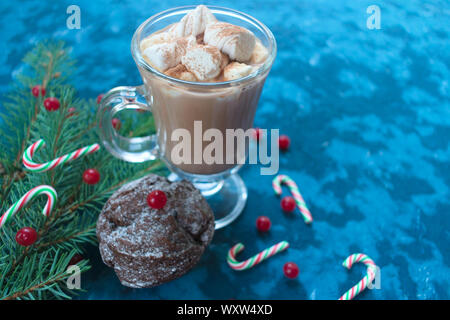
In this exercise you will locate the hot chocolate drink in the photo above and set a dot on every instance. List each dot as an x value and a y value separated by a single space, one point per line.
203 70
197 50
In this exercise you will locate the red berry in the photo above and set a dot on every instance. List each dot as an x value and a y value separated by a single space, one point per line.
99 98
257 134
71 112
26 236
288 204
116 123
75 259
37 89
157 199
291 270
91 176
51 104
284 142
263 223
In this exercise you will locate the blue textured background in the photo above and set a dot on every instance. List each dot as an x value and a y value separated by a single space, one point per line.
368 113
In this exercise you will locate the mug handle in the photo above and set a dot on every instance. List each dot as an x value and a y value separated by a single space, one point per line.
137 149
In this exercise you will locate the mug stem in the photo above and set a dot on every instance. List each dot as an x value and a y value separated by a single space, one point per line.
227 197
209 188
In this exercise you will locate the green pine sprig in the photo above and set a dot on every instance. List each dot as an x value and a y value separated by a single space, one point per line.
39 271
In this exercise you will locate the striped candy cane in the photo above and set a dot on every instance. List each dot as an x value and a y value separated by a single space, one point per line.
361 285
283 179
42 167
258 258
27 197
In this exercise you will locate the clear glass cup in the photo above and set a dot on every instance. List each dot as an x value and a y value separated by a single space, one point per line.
176 104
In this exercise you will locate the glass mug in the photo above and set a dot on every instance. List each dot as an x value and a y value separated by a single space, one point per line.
177 104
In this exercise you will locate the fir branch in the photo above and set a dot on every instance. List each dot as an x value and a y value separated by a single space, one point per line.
85 234
57 273
38 271
56 55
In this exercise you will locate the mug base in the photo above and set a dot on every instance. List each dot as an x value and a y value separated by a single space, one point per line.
227 198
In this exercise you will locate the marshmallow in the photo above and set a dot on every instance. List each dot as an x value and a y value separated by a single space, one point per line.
181 72
225 61
185 43
162 56
233 40
166 55
153 39
193 23
259 54
236 70
203 61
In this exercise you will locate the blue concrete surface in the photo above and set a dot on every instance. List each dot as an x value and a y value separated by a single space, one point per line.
368 113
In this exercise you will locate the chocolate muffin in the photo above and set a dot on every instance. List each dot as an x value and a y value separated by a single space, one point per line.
146 246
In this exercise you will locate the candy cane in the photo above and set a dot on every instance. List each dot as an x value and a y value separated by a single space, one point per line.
276 184
257 258
27 197
42 167
361 285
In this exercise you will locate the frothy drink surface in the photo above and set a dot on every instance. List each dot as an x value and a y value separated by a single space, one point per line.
199 48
